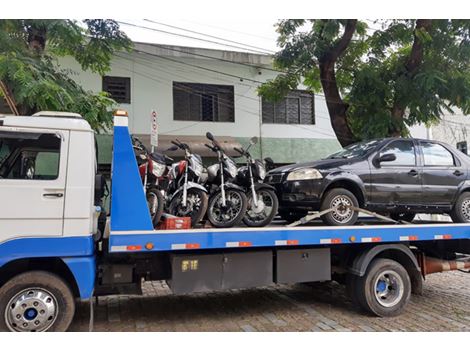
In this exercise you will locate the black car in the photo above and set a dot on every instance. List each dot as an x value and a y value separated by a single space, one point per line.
397 176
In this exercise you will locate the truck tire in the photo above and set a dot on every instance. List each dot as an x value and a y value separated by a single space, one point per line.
385 288
36 301
335 197
460 213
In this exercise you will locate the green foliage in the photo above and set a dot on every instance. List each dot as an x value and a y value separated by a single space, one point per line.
29 50
372 73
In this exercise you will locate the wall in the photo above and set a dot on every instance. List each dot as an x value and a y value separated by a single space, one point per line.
151 88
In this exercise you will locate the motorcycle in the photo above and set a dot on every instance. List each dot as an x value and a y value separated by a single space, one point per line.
188 197
262 199
152 167
227 201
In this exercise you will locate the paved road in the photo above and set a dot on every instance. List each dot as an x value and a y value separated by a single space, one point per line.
444 306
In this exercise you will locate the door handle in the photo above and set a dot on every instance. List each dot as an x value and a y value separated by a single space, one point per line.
458 173
413 173
53 195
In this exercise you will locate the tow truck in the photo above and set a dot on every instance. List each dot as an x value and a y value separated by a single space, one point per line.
55 251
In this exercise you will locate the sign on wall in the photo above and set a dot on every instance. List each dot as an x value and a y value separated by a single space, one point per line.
153 129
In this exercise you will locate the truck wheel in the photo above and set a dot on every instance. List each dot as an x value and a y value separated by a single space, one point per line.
36 301
385 288
460 213
341 217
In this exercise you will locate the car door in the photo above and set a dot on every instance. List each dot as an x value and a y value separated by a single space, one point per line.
32 182
397 182
442 173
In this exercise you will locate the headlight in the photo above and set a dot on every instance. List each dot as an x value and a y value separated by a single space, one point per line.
158 169
261 170
304 174
197 166
231 167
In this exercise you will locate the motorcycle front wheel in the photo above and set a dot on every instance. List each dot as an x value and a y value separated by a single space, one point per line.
155 203
196 205
265 211
232 213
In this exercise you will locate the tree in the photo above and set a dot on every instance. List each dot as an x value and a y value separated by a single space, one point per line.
31 75
376 83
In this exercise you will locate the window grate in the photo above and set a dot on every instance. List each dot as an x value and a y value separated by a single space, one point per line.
203 102
119 88
298 107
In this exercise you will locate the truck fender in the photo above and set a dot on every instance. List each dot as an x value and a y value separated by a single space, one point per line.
190 185
398 252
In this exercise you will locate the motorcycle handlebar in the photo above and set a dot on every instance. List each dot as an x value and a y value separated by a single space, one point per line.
239 151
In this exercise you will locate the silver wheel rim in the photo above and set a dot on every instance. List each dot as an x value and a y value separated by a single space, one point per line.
193 204
234 206
341 215
33 309
264 209
388 288
465 207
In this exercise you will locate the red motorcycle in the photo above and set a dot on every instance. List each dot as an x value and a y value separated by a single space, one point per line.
153 169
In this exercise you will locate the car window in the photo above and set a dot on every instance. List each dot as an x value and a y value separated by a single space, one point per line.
404 152
29 156
436 155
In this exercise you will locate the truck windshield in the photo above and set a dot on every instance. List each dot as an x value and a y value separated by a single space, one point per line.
355 150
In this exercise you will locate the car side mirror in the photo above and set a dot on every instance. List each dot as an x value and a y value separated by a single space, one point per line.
387 158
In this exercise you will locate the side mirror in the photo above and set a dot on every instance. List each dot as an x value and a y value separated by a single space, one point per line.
210 136
387 158
254 140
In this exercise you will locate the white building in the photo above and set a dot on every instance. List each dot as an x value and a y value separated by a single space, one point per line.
197 90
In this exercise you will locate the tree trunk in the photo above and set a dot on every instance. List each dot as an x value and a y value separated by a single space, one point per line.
336 106
411 67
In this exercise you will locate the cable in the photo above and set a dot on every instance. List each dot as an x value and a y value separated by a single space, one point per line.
208 35
190 37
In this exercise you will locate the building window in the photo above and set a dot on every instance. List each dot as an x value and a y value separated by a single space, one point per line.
462 146
203 102
119 88
298 108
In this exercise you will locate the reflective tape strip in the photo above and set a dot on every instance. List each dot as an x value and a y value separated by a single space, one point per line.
185 246
408 238
238 244
330 240
118 248
442 237
286 242
371 239
126 248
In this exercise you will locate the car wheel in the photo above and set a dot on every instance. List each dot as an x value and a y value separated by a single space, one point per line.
408 217
340 217
461 211
385 288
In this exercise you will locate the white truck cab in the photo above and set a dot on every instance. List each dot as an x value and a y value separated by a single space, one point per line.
47 175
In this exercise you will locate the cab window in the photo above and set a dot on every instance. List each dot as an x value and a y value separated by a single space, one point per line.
29 156
404 152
